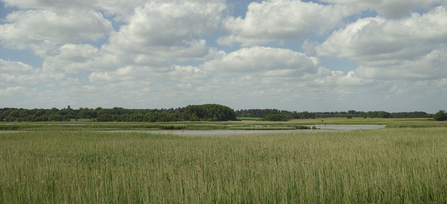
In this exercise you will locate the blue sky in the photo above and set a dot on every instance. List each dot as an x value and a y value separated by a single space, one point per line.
326 55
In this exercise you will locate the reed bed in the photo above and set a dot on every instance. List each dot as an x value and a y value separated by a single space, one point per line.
363 166
145 126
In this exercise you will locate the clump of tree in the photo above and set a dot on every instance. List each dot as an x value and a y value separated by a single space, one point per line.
277 117
212 112
260 113
207 112
440 115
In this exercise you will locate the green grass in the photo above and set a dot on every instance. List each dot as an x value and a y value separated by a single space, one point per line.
248 118
264 128
415 125
230 125
360 120
80 120
145 126
390 165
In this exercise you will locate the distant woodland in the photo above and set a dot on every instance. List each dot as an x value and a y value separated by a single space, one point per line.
207 112
261 113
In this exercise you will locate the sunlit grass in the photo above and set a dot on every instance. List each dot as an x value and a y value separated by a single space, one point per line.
364 166
229 125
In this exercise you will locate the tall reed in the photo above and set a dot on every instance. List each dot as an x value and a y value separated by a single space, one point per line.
364 166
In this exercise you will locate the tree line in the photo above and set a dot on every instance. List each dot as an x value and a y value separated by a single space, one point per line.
207 112
261 113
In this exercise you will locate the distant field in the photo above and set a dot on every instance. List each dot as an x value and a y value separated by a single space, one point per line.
248 118
360 120
393 165
85 124
80 120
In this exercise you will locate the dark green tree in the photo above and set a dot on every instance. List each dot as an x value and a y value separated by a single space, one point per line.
277 117
440 115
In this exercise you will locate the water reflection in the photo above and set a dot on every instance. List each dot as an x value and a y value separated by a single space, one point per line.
247 132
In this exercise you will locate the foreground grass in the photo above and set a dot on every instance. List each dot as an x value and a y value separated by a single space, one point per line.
375 166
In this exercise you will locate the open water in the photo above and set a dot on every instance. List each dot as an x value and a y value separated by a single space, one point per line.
246 132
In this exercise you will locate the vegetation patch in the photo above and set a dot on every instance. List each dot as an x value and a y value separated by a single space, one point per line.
248 118
263 128
302 127
277 117
413 125
366 166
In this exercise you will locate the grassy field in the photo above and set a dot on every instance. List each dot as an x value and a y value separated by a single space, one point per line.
392 165
82 124
248 118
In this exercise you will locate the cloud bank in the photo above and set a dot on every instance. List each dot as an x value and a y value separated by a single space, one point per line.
286 54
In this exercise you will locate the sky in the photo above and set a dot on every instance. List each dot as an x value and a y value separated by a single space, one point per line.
322 55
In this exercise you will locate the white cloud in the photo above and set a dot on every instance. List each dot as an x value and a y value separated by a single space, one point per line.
144 75
32 27
388 8
265 62
12 91
248 70
157 34
168 30
279 20
72 58
167 24
100 77
188 74
159 57
123 9
70 82
375 36
427 67
20 73
15 67
393 49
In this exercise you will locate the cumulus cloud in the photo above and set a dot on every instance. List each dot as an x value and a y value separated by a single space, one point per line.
132 74
265 62
375 36
160 54
279 20
427 67
12 90
122 10
392 49
111 7
167 24
144 75
16 67
169 29
246 71
157 34
389 8
20 73
72 58
38 26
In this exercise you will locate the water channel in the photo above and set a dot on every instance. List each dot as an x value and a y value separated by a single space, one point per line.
247 132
